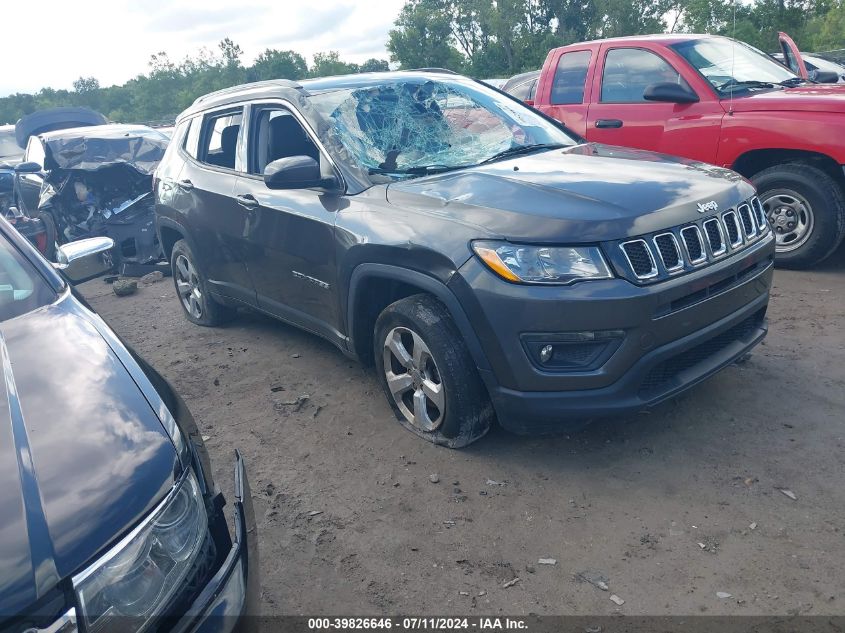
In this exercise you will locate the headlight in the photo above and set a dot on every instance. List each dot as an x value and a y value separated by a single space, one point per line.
138 577
543 264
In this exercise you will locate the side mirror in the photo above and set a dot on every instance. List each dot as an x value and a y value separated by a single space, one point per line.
669 92
86 259
296 172
28 167
824 76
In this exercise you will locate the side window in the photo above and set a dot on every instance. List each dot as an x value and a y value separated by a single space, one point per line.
35 151
522 91
532 90
276 134
219 138
192 138
629 71
570 77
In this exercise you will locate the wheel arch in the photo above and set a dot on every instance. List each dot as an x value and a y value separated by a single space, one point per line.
170 232
374 286
754 161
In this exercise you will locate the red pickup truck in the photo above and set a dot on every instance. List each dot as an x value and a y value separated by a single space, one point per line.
719 101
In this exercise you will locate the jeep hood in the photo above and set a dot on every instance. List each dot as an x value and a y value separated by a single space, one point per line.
83 456
809 98
586 193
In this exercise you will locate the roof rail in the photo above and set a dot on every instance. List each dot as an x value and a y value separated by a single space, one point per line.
282 83
433 70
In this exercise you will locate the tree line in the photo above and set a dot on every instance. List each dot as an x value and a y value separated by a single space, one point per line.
170 87
482 38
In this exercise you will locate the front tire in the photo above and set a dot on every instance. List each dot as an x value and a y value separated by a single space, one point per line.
806 209
192 289
428 375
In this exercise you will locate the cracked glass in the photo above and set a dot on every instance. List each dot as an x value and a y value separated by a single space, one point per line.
416 126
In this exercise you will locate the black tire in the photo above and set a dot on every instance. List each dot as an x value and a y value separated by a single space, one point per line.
211 313
50 234
826 200
467 412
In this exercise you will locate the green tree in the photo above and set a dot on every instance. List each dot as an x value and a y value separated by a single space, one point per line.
374 65
423 37
273 64
328 64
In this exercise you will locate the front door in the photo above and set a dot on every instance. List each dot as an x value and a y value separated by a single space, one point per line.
620 115
292 263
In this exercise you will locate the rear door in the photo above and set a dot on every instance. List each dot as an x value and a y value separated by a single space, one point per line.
792 57
620 115
219 226
291 232
566 96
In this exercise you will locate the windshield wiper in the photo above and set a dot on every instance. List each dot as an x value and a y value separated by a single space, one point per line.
733 84
416 170
793 81
515 150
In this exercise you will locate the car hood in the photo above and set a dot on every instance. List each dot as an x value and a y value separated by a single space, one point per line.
587 193
812 97
83 456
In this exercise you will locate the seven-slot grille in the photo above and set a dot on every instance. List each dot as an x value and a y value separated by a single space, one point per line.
686 247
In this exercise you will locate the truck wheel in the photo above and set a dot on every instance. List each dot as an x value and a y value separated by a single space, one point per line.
428 375
806 209
192 289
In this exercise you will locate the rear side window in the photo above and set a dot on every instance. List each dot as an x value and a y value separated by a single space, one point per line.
524 91
570 77
629 71
191 141
219 138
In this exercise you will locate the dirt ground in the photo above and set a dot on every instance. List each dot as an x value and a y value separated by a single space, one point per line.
660 505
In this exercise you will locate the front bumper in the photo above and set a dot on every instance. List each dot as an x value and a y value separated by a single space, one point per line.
229 601
673 335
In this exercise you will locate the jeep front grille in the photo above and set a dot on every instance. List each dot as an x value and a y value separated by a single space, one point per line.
682 248
640 258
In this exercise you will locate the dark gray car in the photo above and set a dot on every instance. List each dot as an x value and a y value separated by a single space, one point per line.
488 262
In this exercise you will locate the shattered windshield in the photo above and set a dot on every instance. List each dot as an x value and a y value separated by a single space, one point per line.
418 126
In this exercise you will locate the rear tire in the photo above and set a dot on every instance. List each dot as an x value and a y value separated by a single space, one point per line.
192 289
428 375
806 209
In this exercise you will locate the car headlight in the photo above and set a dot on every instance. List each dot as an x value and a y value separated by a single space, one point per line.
522 263
137 578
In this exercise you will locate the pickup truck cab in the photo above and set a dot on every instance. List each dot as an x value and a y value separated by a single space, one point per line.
720 101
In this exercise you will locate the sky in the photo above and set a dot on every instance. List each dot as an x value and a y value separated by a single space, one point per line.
112 40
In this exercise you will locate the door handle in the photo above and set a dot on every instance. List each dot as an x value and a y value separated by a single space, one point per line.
608 123
248 201
186 184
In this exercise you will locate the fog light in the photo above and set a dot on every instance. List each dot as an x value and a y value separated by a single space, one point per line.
546 354
571 351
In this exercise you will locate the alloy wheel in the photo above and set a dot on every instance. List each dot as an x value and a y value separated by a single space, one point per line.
413 379
791 218
188 286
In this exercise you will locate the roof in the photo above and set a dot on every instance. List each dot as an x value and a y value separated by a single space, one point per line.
665 38
272 87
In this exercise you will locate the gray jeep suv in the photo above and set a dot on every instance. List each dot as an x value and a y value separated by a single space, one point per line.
490 263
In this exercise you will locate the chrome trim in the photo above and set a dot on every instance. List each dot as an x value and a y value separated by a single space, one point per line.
760 215
703 257
748 234
680 264
736 221
722 236
653 272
